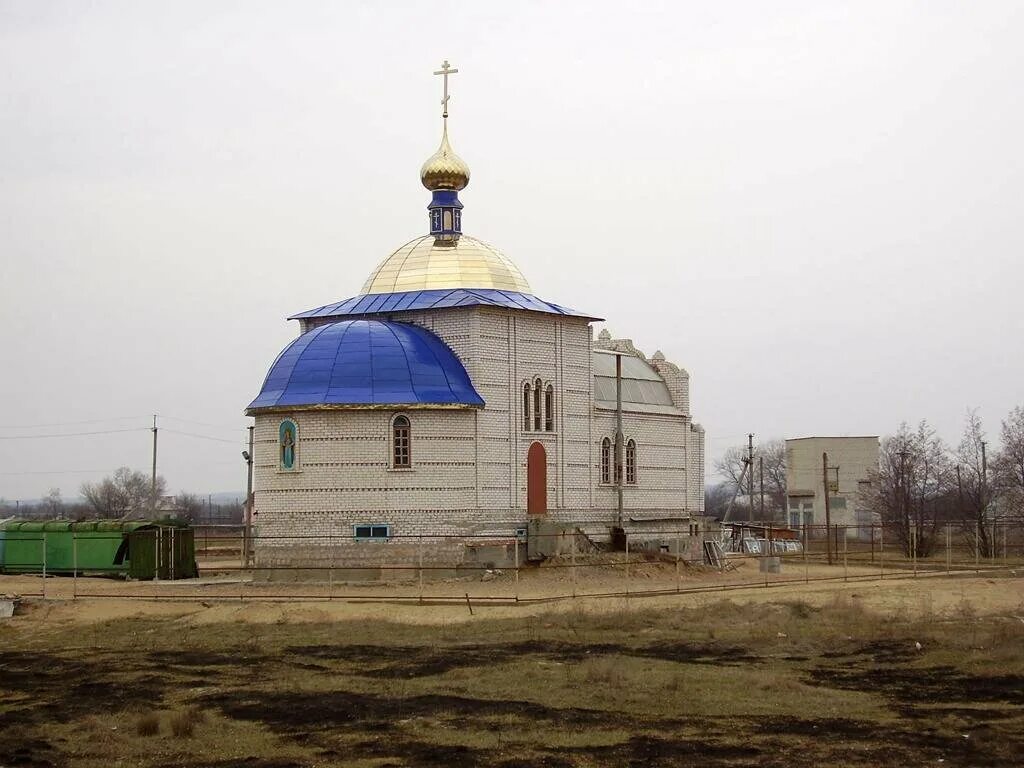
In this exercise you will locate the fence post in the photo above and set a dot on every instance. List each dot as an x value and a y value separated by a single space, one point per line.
881 550
977 546
913 548
846 567
679 542
573 556
74 564
807 575
421 566
948 552
517 569
330 567
1004 543
627 562
44 565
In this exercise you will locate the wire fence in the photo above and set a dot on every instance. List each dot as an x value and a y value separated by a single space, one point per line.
517 566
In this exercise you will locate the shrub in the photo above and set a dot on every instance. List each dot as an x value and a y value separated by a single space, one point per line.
183 724
148 725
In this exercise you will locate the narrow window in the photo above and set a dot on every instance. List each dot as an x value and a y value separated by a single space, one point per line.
287 435
549 409
401 449
606 461
536 405
447 220
526 407
631 462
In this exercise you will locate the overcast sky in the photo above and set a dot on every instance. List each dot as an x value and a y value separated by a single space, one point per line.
816 208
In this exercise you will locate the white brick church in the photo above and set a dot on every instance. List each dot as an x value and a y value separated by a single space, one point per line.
447 400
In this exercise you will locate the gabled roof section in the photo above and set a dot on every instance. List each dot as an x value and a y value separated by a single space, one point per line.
408 301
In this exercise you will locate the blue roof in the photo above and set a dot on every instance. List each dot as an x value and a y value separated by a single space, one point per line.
373 303
366 363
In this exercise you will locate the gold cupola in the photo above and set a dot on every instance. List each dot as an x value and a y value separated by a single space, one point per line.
445 259
445 170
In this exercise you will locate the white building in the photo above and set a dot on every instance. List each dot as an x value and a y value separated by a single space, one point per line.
447 399
849 462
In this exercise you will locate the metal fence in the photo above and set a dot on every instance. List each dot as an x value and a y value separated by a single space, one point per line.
435 569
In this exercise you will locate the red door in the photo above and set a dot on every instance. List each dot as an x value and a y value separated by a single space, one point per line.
537 480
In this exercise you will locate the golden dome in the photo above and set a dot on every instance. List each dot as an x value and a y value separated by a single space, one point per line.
427 263
444 169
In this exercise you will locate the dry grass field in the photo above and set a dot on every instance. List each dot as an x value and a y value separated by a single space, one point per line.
821 675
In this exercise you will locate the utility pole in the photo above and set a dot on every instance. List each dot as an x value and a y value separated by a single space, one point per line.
619 439
152 490
828 506
247 543
984 491
904 515
959 493
760 460
750 479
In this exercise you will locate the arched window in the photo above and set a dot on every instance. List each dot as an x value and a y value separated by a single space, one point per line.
606 461
537 394
526 407
287 444
631 462
549 409
401 448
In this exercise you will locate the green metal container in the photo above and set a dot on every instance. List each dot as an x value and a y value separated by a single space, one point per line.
139 549
23 547
165 551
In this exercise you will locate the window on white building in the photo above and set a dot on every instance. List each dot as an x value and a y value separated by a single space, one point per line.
401 443
537 400
549 409
631 462
375 532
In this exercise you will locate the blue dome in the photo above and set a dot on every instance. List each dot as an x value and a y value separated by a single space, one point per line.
366 363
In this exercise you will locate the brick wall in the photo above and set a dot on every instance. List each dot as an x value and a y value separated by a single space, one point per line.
469 465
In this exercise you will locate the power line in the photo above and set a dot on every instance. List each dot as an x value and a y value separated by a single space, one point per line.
55 472
112 469
74 434
203 423
203 437
70 423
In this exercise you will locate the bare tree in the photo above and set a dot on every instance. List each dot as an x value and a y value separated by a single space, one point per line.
53 504
127 493
773 452
188 506
716 499
911 486
973 491
1008 464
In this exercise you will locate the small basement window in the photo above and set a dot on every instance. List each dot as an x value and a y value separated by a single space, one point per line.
372 532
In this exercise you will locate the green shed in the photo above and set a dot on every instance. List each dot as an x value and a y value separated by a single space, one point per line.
139 549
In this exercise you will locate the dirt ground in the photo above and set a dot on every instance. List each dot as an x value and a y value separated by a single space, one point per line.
904 671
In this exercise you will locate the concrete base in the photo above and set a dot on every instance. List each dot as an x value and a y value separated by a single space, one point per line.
770 564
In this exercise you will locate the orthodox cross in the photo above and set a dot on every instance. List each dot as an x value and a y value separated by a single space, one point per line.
445 71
